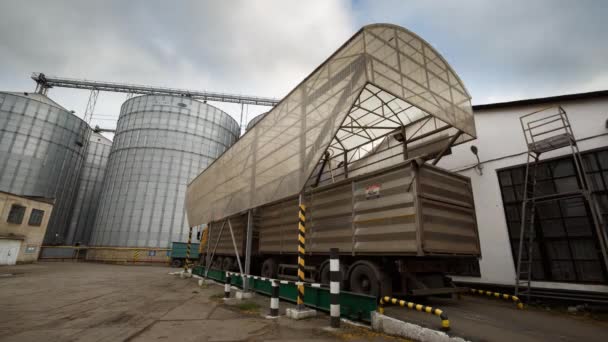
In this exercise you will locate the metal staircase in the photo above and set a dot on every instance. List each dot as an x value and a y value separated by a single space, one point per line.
546 130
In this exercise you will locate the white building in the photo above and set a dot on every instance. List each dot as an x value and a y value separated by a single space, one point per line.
570 258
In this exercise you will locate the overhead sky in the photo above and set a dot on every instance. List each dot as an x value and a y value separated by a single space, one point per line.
502 50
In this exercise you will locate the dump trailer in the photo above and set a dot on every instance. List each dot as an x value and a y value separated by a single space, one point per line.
357 143
399 230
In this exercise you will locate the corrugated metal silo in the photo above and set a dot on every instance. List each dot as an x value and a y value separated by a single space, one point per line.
42 149
161 144
89 190
255 120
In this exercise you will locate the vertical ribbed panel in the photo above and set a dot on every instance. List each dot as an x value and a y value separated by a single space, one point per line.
385 222
161 144
89 190
449 224
42 149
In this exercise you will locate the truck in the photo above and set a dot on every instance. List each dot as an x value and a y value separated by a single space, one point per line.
351 154
178 253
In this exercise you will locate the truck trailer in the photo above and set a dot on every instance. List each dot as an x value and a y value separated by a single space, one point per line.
356 144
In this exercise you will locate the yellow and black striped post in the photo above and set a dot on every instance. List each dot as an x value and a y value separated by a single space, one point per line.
187 262
445 322
301 253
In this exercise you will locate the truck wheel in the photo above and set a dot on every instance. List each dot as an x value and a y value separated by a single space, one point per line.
176 263
217 263
269 268
324 275
367 278
227 264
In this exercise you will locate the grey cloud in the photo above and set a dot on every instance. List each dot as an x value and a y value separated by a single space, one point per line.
501 49
261 48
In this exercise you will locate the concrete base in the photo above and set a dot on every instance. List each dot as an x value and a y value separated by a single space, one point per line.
300 314
202 282
271 317
184 275
330 329
240 295
395 327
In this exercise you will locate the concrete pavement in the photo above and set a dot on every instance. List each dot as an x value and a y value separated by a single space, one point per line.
489 319
98 302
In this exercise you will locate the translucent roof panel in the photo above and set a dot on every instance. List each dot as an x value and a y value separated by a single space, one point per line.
385 79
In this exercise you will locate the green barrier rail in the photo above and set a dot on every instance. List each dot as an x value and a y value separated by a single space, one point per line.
353 306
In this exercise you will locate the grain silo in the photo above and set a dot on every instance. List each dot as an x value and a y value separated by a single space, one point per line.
42 149
89 190
255 120
161 144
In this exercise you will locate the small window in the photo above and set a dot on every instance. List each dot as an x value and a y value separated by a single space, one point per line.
36 217
16 214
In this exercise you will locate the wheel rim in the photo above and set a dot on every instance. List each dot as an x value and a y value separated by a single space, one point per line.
365 284
266 271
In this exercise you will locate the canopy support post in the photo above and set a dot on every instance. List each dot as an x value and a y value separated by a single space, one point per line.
325 161
236 251
210 260
248 248
446 148
405 153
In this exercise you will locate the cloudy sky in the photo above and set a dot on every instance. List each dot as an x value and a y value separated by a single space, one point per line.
503 50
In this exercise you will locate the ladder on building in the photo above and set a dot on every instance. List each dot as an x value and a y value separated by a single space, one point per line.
546 130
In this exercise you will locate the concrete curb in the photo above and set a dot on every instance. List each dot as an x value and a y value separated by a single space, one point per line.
395 327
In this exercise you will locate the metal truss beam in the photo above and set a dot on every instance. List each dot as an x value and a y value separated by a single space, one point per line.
44 82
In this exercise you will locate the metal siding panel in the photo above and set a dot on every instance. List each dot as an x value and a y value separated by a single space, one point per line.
278 227
225 245
386 223
41 155
449 225
157 149
331 219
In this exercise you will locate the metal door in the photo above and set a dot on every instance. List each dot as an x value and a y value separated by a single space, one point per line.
9 249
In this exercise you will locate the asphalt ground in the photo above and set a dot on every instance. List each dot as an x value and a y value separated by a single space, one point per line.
479 318
98 302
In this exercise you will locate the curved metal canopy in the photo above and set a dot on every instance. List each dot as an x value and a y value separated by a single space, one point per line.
383 80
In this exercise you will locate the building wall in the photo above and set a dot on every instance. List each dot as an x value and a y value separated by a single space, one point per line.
30 236
501 144
89 190
161 143
42 149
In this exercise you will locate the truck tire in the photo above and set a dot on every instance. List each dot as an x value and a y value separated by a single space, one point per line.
227 264
177 263
367 278
270 268
323 277
217 263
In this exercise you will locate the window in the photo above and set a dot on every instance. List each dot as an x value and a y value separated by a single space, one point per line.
36 217
566 247
16 214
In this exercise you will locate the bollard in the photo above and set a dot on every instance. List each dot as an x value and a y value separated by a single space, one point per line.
334 287
274 299
301 253
227 286
187 261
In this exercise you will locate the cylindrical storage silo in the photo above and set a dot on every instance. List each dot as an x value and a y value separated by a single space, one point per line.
255 120
89 190
161 144
42 149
